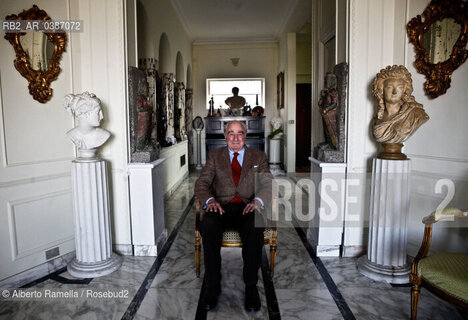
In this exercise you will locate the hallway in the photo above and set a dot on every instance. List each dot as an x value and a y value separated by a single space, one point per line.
303 287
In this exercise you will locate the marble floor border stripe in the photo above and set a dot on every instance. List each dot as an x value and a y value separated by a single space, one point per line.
270 294
401 285
140 295
327 279
201 313
56 277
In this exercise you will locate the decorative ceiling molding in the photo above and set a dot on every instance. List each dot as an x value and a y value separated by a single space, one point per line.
205 21
287 16
183 20
235 41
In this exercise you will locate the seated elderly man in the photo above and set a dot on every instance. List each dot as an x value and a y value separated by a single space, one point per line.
233 186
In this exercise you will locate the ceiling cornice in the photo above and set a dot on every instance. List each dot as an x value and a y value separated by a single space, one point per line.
202 42
182 18
287 16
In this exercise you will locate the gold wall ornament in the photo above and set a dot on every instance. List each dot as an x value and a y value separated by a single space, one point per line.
439 42
39 71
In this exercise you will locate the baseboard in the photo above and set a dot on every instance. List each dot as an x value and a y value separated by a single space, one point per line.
123 249
37 272
143 250
354 251
169 193
328 251
162 239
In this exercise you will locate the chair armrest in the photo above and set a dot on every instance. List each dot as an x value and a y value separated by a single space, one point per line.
426 243
270 217
197 213
447 213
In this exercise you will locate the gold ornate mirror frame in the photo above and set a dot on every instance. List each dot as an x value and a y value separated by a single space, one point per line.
438 75
39 81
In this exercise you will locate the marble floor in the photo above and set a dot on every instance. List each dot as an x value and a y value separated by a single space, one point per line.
167 287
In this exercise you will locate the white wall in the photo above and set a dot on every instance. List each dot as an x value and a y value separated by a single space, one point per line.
131 32
329 24
290 103
100 67
303 58
154 19
377 38
35 187
371 39
438 150
257 60
288 65
173 170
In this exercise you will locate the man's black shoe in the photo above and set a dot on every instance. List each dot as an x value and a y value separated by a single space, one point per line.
210 298
252 299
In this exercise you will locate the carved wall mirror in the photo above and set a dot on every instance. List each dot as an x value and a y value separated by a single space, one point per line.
38 54
440 42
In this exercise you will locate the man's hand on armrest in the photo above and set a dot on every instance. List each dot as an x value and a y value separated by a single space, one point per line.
253 205
214 205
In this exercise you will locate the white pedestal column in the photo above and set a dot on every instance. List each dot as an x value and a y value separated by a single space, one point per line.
147 207
94 256
326 207
274 156
389 207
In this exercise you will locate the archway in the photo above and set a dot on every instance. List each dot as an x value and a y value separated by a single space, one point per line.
189 114
165 55
179 100
180 74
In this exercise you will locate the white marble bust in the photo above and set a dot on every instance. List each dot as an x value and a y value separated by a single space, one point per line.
87 136
276 123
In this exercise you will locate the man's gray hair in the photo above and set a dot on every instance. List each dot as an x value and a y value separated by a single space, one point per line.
236 121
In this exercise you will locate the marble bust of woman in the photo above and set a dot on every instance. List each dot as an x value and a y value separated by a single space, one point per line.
87 136
398 115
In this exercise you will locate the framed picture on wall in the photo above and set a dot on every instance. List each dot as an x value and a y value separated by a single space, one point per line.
280 90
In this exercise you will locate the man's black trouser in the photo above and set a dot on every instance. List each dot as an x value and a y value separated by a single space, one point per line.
212 227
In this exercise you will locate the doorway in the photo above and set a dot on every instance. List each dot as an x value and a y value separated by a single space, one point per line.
303 126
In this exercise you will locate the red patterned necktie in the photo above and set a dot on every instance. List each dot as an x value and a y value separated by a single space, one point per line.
236 173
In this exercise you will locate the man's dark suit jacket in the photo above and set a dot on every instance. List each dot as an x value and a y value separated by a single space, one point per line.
216 178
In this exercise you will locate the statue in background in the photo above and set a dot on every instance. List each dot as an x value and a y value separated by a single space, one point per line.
398 115
235 102
148 66
274 137
143 148
87 136
327 106
145 116
179 111
188 121
168 104
332 109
